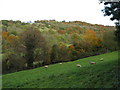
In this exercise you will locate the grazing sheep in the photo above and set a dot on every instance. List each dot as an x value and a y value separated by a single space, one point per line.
92 62
60 63
46 66
78 65
101 59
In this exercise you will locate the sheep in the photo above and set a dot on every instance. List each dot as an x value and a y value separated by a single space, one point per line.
101 59
60 63
46 66
92 62
78 65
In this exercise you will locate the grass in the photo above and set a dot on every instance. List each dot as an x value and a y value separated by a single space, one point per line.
103 74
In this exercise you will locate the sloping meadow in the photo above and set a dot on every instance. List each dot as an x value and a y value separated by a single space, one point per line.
102 74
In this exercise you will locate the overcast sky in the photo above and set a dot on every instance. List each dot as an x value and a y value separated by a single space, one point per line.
68 10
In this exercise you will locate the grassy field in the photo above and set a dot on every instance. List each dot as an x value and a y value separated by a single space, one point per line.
103 74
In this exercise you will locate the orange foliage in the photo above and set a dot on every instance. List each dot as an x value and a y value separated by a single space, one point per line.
91 37
4 35
71 47
61 31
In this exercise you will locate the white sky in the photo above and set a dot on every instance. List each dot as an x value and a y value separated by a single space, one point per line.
68 10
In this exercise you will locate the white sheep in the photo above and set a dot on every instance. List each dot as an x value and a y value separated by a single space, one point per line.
78 65
92 62
46 66
60 63
101 59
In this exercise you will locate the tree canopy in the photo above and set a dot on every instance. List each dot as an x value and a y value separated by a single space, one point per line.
113 9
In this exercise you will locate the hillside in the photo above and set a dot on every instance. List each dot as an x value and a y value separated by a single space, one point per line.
55 32
103 74
31 45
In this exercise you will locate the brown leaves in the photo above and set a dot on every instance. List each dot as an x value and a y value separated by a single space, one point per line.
71 47
61 31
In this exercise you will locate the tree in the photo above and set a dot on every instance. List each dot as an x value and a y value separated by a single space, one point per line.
24 49
13 50
35 45
91 39
60 53
113 9
54 54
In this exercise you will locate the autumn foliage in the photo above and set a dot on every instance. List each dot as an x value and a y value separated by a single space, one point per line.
12 38
61 31
4 35
44 42
90 36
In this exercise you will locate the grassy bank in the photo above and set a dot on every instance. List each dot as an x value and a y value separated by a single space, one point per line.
103 74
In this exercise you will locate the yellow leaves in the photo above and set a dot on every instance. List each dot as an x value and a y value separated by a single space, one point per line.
89 34
91 37
11 38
